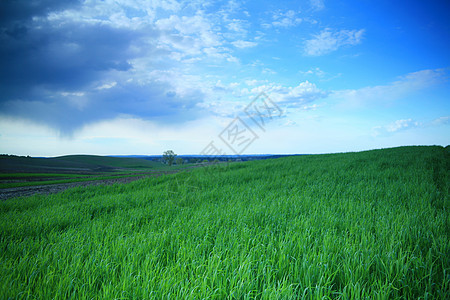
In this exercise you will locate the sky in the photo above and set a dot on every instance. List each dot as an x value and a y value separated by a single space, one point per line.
123 77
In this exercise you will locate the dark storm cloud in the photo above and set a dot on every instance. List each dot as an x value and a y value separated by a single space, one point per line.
70 112
17 12
43 61
66 55
65 58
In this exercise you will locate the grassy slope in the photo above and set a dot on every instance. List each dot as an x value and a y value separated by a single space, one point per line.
370 224
72 168
72 163
37 176
65 180
118 162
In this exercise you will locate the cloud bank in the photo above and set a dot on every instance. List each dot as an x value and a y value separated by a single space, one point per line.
67 64
402 87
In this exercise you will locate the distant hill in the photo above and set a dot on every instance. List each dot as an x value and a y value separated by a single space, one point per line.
71 164
197 157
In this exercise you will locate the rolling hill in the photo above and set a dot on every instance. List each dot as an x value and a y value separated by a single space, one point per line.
71 164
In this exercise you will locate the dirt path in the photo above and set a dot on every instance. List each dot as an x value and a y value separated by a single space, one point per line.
59 187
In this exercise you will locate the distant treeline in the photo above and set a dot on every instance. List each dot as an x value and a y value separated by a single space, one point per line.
221 158
12 155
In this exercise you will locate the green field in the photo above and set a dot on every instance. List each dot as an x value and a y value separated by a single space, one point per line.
371 225
75 164
30 171
61 178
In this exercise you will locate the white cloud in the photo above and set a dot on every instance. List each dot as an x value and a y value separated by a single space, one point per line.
317 4
224 108
107 86
190 35
244 44
441 121
319 74
236 27
401 125
78 94
253 82
286 19
116 13
328 41
256 63
404 86
292 97
219 86
313 71
229 99
398 125
310 107
268 71
289 123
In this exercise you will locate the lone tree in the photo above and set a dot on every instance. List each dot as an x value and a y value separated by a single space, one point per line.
179 161
169 157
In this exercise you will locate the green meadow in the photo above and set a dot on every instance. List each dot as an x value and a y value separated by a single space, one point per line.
365 225
49 179
28 171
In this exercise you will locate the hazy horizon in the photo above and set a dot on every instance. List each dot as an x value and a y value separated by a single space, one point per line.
205 155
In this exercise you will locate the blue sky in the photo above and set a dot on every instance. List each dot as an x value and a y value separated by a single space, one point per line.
141 77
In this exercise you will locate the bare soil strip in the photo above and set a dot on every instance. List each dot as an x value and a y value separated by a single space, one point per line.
56 188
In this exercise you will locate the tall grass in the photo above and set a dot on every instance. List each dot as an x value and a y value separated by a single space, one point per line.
369 225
